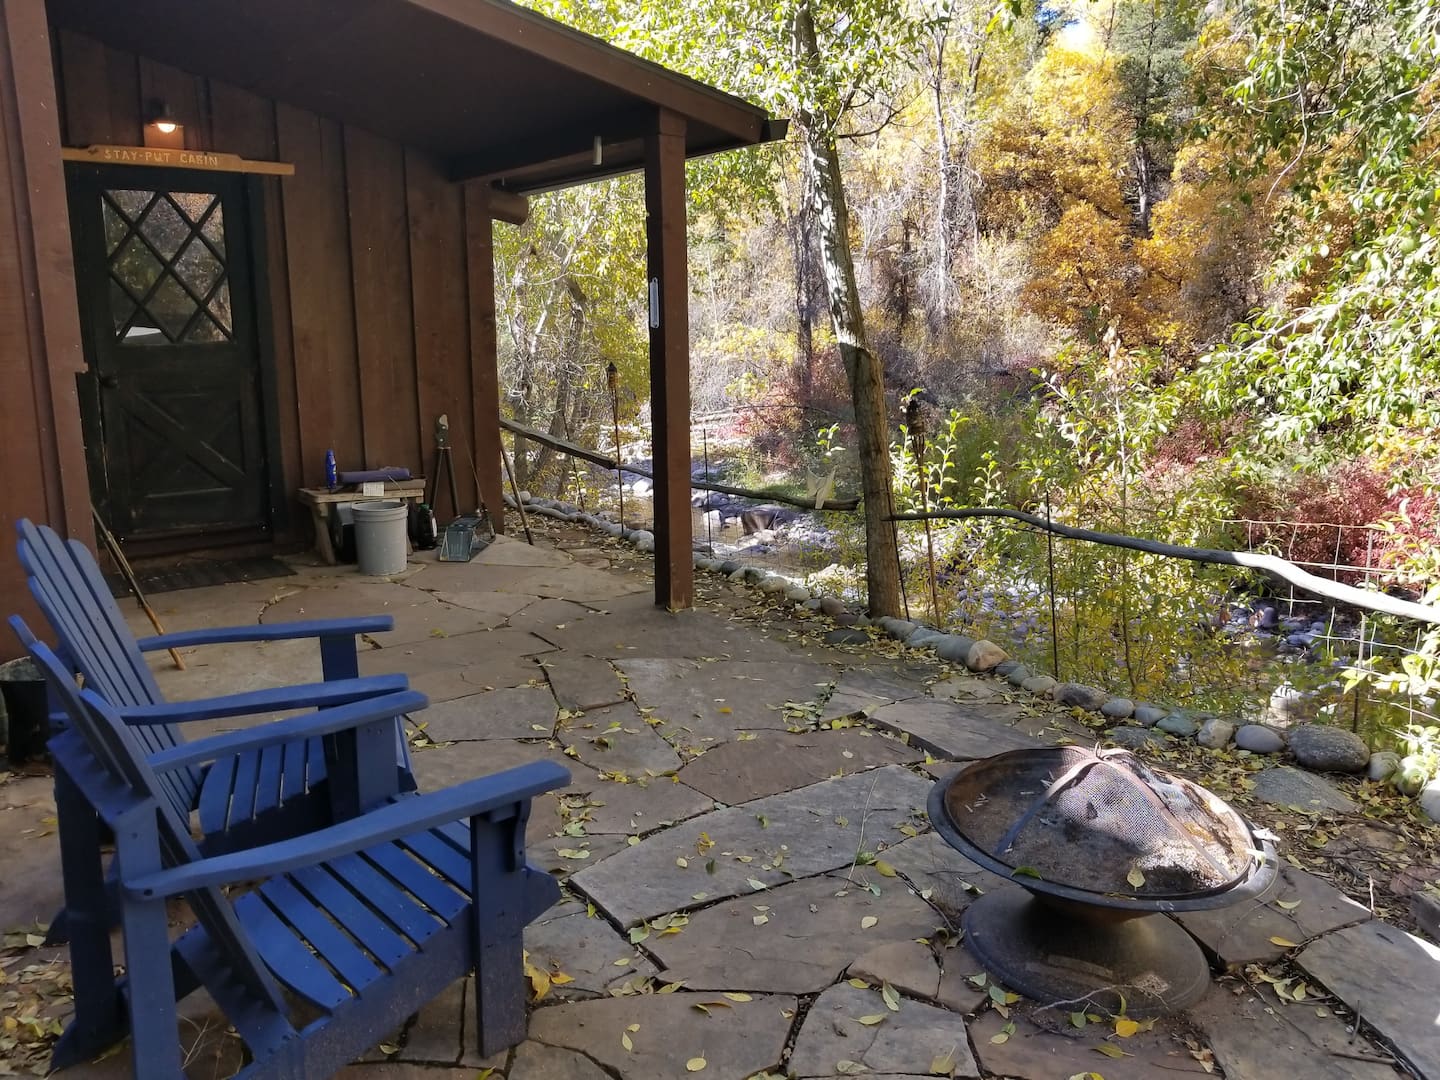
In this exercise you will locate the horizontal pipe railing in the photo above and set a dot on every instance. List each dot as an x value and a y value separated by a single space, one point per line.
761 495
1272 564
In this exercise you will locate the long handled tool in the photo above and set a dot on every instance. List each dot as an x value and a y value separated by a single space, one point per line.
515 490
123 564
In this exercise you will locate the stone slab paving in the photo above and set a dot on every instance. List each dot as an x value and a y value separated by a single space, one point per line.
518 712
952 731
1241 933
833 1041
536 1061
736 1038
440 654
635 627
506 642
1391 979
811 830
582 682
617 739
768 764
1255 1034
795 938
915 968
860 694
640 807
492 672
544 617
566 939
933 866
418 615
711 701
1035 1053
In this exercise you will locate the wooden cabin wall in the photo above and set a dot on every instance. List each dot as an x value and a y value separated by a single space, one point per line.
365 256
42 462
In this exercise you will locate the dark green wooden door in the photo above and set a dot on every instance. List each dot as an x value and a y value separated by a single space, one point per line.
172 401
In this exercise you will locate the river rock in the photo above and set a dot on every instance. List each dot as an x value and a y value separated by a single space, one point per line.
1079 696
1259 739
831 606
1017 675
847 635
1179 725
1329 749
798 594
984 655
1004 669
899 629
1118 708
924 638
955 648
1430 800
813 604
774 585
1038 684
1383 765
1215 733
645 543
753 574
1149 715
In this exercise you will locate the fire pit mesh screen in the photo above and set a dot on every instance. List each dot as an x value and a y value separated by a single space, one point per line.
1101 821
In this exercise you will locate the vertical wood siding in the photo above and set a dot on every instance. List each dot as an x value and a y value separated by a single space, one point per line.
366 257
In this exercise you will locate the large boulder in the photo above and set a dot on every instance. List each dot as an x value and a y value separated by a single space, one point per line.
1329 749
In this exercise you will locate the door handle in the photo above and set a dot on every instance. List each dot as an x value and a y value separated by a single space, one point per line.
109 382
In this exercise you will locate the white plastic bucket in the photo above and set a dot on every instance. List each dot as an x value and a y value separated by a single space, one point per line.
380 536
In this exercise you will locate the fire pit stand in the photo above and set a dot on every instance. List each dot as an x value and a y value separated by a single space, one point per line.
1101 846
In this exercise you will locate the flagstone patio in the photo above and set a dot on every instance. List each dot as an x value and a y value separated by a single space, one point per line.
751 884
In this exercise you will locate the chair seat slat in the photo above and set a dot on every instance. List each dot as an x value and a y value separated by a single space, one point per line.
442 856
440 897
287 957
350 912
402 911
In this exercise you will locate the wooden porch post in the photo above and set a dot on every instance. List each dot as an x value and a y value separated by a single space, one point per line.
484 351
669 358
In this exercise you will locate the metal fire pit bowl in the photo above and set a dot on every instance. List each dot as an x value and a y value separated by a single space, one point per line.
1101 846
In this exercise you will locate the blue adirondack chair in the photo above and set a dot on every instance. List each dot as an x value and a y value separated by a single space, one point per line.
246 798
362 922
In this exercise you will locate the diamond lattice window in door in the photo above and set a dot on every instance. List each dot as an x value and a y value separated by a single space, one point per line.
165 252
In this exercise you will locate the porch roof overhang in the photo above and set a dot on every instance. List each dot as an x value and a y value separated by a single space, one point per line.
496 92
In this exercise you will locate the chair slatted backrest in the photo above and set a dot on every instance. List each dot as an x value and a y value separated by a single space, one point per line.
115 750
71 591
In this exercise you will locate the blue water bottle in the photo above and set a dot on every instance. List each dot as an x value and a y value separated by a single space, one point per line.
332 478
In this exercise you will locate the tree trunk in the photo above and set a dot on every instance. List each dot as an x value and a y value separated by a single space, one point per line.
867 384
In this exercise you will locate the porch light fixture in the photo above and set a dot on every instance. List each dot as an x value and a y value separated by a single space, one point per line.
161 127
599 158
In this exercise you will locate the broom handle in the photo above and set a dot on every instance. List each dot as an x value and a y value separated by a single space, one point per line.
113 547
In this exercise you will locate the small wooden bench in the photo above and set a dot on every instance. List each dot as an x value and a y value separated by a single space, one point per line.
319 500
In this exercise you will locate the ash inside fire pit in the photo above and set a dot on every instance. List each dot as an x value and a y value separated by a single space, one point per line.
1091 821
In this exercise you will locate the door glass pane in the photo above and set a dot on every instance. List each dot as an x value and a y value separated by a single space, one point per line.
171 307
167 266
165 228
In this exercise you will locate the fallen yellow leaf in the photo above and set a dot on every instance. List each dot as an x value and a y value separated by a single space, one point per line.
1284 943
1125 1027
695 1064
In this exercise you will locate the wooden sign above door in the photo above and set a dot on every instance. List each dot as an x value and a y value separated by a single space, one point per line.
165 157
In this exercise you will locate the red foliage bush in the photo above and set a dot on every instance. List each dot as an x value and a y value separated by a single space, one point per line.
1333 521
